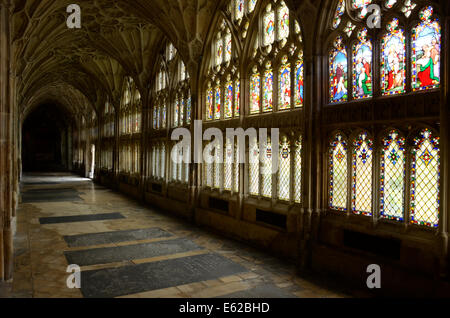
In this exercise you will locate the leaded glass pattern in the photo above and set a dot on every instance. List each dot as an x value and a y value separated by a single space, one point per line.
228 107
340 9
390 3
362 175
298 171
255 89
268 89
407 8
338 173
392 178
253 180
338 72
362 66
217 167
209 104
299 81
358 4
283 21
236 168
426 52
269 26
284 83
237 98
284 172
188 109
266 171
228 166
425 178
393 79
217 102
209 171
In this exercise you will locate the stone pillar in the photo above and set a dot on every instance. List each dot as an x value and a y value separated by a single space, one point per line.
445 149
6 147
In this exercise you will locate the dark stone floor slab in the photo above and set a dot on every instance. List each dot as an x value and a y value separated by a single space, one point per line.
50 195
132 279
129 252
115 237
261 291
81 218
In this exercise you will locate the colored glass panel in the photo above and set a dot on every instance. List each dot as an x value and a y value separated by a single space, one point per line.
362 175
255 93
228 110
392 185
284 172
283 22
362 67
284 80
269 28
426 52
393 60
299 88
338 174
268 91
338 73
425 178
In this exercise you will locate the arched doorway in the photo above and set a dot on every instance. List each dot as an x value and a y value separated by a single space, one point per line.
46 140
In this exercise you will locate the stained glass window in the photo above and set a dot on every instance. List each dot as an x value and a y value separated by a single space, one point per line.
228 47
349 28
236 168
188 109
283 21
390 3
253 180
176 112
268 89
284 171
393 60
340 9
155 117
182 108
392 177
426 52
252 5
228 166
362 175
255 89
362 66
358 4
209 104
338 173
338 72
266 171
174 164
239 9
298 171
425 178
269 26
228 109
217 167
209 174
407 8
237 98
217 102
219 50
163 116
163 162
299 81
284 83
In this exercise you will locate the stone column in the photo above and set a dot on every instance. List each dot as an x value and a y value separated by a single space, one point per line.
6 147
444 225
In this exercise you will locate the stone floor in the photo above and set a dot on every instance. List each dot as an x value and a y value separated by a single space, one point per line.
125 249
